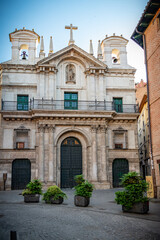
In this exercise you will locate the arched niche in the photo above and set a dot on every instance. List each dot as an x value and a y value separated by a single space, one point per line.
23 52
115 56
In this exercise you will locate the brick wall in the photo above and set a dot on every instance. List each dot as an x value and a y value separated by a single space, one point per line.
152 34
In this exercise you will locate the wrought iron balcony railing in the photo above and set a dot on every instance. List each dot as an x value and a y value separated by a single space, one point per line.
43 104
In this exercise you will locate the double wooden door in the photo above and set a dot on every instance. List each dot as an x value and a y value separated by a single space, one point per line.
71 161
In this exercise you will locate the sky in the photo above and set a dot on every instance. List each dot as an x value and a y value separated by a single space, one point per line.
94 18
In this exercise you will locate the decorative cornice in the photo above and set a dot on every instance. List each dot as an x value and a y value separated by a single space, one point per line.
18 66
66 116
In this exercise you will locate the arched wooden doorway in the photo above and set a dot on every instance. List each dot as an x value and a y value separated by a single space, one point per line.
71 161
119 167
21 173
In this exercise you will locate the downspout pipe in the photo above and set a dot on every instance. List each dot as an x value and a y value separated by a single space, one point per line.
148 96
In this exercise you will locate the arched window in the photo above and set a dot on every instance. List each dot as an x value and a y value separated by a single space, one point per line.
115 56
24 52
70 73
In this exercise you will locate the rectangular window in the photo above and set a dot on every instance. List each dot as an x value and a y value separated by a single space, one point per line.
20 145
117 103
70 100
118 146
22 102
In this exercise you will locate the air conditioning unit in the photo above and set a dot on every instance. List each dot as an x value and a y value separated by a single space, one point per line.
20 145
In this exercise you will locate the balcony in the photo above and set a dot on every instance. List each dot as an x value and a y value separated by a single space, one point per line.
43 104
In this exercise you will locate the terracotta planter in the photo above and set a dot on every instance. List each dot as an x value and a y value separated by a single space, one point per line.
81 201
31 198
141 207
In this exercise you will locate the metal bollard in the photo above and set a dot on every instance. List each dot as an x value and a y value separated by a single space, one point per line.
13 235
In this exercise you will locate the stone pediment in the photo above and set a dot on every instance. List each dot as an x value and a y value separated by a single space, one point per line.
73 52
24 34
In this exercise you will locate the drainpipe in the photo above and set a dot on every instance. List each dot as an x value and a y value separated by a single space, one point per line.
148 96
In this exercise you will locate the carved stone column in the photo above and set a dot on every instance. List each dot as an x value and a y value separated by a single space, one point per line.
94 153
51 153
41 153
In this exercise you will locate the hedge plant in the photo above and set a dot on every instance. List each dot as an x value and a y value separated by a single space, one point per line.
83 187
33 187
55 192
135 188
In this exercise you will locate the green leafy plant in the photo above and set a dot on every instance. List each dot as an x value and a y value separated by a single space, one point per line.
83 188
135 189
79 179
54 192
33 187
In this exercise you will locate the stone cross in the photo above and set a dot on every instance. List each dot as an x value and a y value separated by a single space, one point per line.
71 41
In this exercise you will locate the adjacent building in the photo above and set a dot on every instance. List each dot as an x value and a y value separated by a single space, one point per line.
143 129
67 113
147 35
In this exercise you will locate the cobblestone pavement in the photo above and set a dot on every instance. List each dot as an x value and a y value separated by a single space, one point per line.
102 220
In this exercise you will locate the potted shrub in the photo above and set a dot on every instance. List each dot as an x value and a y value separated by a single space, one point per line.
54 195
33 191
83 191
133 198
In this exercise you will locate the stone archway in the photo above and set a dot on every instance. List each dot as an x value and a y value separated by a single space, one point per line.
21 173
71 161
86 151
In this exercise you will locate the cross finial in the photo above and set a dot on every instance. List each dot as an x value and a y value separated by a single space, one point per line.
71 41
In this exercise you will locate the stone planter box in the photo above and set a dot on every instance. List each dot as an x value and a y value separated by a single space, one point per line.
33 198
141 207
81 201
57 201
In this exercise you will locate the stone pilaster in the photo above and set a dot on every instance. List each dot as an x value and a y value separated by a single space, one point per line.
41 153
51 154
89 164
37 153
99 154
46 154
107 154
103 176
94 153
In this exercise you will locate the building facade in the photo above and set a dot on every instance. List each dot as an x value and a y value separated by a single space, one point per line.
143 129
147 35
67 113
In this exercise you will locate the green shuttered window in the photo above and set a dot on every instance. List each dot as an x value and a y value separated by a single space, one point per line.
70 100
118 107
22 102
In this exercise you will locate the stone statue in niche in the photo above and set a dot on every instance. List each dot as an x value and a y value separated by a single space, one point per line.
70 73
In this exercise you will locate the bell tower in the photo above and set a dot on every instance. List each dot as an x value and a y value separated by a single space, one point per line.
24 45
114 51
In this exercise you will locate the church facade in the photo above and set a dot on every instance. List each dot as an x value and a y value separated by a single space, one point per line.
66 114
